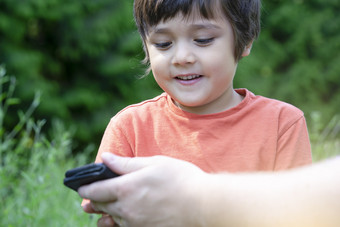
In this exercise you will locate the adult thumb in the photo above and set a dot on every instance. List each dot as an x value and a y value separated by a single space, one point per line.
125 165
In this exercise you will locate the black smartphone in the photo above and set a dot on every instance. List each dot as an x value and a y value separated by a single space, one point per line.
74 178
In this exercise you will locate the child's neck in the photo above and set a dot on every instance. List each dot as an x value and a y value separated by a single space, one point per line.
219 105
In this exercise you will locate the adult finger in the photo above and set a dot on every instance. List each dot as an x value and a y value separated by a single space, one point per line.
100 191
125 165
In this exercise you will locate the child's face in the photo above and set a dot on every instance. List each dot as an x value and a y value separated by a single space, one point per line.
193 61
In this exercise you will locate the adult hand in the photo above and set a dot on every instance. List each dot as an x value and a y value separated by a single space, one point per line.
161 191
152 191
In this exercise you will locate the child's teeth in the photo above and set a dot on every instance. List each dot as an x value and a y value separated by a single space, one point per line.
188 77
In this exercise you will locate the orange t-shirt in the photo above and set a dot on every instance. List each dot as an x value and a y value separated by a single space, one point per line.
258 134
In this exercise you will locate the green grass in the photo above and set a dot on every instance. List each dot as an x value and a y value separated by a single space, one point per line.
32 193
31 188
32 167
325 139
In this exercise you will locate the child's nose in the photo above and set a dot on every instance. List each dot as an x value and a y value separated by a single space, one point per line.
183 55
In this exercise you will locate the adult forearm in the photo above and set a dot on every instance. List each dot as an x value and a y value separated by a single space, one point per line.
308 196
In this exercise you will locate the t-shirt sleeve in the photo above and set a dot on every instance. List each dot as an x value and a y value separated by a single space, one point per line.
294 147
115 140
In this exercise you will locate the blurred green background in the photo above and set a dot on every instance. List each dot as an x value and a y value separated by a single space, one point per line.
84 57
66 67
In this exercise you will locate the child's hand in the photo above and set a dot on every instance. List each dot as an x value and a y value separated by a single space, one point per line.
148 189
87 207
105 221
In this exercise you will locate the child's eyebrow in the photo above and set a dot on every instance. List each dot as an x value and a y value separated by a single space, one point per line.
192 27
205 26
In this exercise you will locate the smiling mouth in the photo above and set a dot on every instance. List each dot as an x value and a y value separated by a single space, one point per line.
188 77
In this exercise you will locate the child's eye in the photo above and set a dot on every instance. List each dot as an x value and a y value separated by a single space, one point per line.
204 41
163 46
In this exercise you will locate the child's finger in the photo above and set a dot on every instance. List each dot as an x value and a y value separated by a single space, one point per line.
105 221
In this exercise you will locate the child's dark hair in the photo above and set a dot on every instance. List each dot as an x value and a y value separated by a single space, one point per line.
244 16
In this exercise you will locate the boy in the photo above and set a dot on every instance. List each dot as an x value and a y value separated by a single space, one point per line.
193 47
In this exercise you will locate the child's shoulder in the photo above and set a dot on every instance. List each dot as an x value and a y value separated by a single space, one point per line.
272 106
146 107
272 111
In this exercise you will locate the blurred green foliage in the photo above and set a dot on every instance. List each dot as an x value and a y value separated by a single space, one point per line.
84 57
297 56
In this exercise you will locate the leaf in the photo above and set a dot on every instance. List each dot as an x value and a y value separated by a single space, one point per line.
13 101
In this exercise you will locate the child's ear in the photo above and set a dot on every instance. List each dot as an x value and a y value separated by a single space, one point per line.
247 49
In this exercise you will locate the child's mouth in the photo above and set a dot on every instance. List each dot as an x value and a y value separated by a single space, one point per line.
188 77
